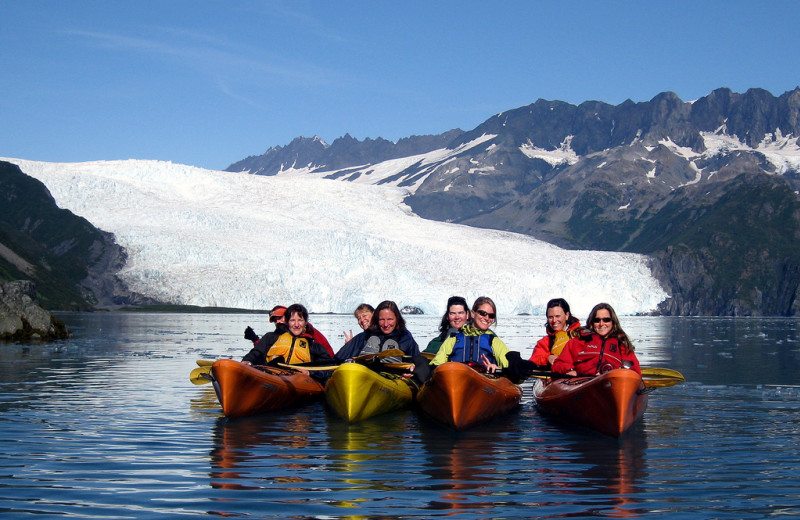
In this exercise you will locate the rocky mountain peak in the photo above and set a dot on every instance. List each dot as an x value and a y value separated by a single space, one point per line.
599 176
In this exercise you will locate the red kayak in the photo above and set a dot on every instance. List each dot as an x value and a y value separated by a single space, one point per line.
608 403
248 390
462 397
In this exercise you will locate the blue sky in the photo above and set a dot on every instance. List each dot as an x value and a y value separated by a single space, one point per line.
207 83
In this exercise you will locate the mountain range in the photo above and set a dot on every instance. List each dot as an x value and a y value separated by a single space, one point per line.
708 188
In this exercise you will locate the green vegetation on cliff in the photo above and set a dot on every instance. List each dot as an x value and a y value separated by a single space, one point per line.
727 248
43 243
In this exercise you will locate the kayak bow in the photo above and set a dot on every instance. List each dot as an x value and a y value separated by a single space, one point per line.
461 397
608 403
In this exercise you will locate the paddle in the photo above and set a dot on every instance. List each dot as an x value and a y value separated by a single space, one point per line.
653 377
201 375
661 377
362 359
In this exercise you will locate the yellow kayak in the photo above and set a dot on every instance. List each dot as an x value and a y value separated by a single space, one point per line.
356 392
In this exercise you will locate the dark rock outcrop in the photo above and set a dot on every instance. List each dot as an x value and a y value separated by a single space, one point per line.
22 318
73 264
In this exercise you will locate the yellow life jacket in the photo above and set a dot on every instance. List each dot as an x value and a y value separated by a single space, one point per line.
561 338
292 348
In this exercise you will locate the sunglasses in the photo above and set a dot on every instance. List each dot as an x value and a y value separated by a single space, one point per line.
604 320
485 314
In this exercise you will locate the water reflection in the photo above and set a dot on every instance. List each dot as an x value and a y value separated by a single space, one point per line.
371 459
610 474
244 443
406 461
464 467
107 425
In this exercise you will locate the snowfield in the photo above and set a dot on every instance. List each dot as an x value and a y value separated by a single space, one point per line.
212 238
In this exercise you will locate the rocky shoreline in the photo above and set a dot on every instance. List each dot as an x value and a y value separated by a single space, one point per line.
22 318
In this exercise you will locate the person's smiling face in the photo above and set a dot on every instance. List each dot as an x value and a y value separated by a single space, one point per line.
557 318
297 325
387 321
364 317
601 323
483 316
457 316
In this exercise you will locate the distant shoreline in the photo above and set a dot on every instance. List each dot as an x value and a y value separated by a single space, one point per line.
197 309
188 309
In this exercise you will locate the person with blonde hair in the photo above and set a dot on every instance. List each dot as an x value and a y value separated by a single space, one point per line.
477 345
363 315
387 330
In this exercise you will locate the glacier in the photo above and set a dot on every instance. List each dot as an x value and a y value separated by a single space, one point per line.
213 238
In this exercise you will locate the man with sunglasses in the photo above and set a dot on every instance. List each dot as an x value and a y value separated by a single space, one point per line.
597 350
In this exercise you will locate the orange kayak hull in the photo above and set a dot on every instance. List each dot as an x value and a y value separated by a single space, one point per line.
460 397
245 390
609 403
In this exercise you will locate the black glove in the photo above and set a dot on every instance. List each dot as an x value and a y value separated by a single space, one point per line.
518 369
277 361
422 370
250 334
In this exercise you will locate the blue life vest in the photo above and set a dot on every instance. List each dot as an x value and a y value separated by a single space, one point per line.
468 349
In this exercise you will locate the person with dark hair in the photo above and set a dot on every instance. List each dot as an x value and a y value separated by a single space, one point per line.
455 316
597 350
277 316
387 330
560 327
363 314
475 344
291 342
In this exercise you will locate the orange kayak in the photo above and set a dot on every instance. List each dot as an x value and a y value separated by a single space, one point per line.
461 397
609 403
247 390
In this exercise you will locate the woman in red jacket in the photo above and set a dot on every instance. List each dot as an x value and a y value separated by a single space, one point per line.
560 323
603 348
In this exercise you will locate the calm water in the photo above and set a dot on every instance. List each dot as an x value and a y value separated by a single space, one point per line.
107 425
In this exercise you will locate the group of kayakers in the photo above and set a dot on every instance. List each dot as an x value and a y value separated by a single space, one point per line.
465 336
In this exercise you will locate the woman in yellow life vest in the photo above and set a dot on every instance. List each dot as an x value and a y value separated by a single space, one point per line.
560 326
289 343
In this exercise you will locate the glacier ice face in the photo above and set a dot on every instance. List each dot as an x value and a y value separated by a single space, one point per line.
211 238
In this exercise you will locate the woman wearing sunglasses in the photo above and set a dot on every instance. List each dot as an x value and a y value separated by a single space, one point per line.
603 348
475 343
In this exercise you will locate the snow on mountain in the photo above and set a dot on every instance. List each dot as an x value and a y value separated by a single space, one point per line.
561 155
390 173
214 238
783 152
